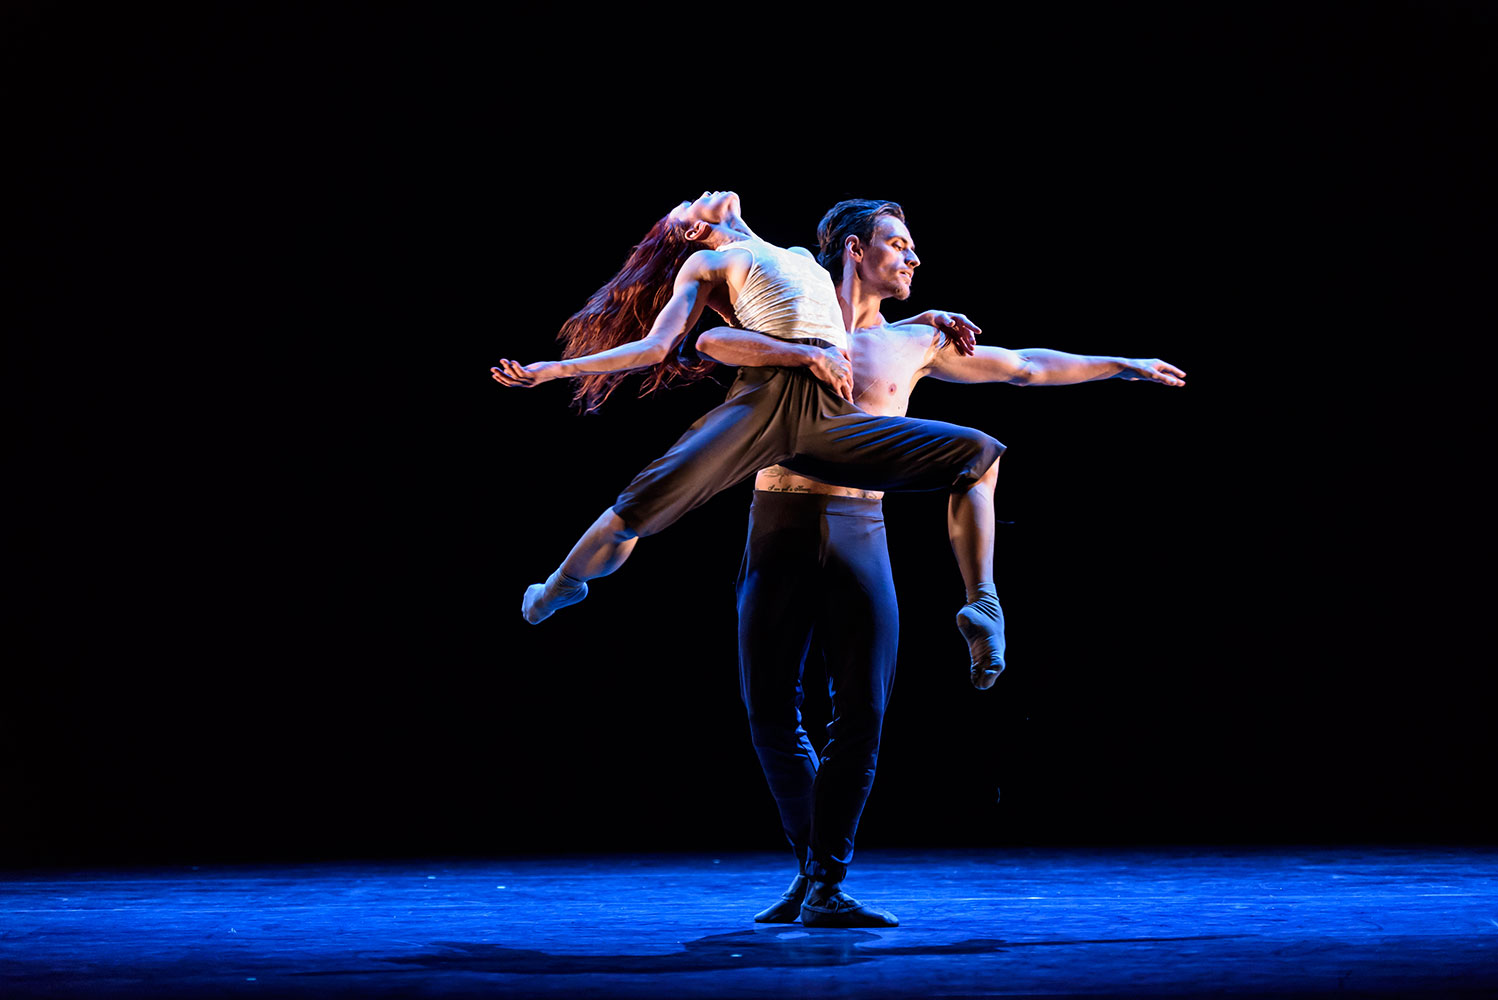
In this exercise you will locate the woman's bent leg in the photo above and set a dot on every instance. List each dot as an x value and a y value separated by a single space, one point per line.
851 448
970 528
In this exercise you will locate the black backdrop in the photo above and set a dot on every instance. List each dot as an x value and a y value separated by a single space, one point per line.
272 519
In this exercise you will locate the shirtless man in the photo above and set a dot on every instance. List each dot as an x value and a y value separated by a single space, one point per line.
701 254
816 561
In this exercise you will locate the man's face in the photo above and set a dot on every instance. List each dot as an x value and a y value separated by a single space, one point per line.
888 263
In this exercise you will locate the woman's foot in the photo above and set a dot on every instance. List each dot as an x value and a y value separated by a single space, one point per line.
981 622
542 599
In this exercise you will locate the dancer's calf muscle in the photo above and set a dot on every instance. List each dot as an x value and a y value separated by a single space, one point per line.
602 549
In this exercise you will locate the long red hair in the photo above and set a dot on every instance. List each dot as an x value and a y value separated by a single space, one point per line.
624 309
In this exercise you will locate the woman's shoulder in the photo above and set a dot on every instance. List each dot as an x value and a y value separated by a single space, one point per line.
718 262
754 243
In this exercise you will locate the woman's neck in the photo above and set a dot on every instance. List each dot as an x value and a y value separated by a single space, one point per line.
730 230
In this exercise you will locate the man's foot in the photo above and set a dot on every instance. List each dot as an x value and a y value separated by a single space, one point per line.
559 590
789 908
827 905
981 623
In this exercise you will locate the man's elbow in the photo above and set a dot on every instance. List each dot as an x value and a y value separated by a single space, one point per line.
721 346
1026 374
710 343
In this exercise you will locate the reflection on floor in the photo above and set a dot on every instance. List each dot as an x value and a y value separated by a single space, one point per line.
1115 922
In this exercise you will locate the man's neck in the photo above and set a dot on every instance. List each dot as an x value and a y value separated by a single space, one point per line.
865 302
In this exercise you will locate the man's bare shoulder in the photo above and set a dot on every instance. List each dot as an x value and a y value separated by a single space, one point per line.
925 348
917 334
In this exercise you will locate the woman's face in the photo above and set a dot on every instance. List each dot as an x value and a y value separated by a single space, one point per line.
710 206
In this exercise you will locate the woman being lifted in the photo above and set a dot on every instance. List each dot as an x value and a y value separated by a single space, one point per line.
801 416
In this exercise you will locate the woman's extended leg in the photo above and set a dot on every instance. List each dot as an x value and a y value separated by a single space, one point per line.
602 549
726 445
970 527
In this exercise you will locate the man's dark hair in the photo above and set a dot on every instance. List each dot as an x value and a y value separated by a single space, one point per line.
855 217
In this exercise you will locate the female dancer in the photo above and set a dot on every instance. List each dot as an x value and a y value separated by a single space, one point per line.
802 418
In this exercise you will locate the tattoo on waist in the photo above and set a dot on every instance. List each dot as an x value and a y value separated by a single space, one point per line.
780 480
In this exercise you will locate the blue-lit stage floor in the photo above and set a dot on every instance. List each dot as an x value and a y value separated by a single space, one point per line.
1350 922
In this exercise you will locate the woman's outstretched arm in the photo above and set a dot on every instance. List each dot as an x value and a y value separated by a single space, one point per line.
696 279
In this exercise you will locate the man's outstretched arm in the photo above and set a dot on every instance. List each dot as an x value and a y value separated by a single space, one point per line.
1042 366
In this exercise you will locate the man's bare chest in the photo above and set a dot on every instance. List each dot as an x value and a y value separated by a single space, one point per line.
885 369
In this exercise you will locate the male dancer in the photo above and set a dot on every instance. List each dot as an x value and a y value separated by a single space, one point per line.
816 561
706 255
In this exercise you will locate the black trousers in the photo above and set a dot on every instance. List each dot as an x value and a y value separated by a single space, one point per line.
817 565
786 416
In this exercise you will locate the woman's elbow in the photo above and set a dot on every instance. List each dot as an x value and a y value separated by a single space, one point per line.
653 353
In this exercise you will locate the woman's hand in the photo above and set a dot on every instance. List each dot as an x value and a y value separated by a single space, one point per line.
961 331
513 373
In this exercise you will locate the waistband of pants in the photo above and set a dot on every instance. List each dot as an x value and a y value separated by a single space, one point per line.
773 501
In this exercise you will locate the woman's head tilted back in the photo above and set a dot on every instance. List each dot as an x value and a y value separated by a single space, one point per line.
705 217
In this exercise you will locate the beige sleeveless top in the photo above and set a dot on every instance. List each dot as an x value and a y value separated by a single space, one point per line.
788 295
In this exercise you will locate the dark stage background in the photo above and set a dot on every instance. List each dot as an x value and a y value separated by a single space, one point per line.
271 519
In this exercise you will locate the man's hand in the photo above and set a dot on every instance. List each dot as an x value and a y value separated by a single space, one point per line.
833 366
1152 370
513 373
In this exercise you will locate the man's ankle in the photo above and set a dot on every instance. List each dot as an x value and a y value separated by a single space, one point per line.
823 890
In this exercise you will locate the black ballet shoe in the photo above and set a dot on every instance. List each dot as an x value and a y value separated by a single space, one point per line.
789 908
838 909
